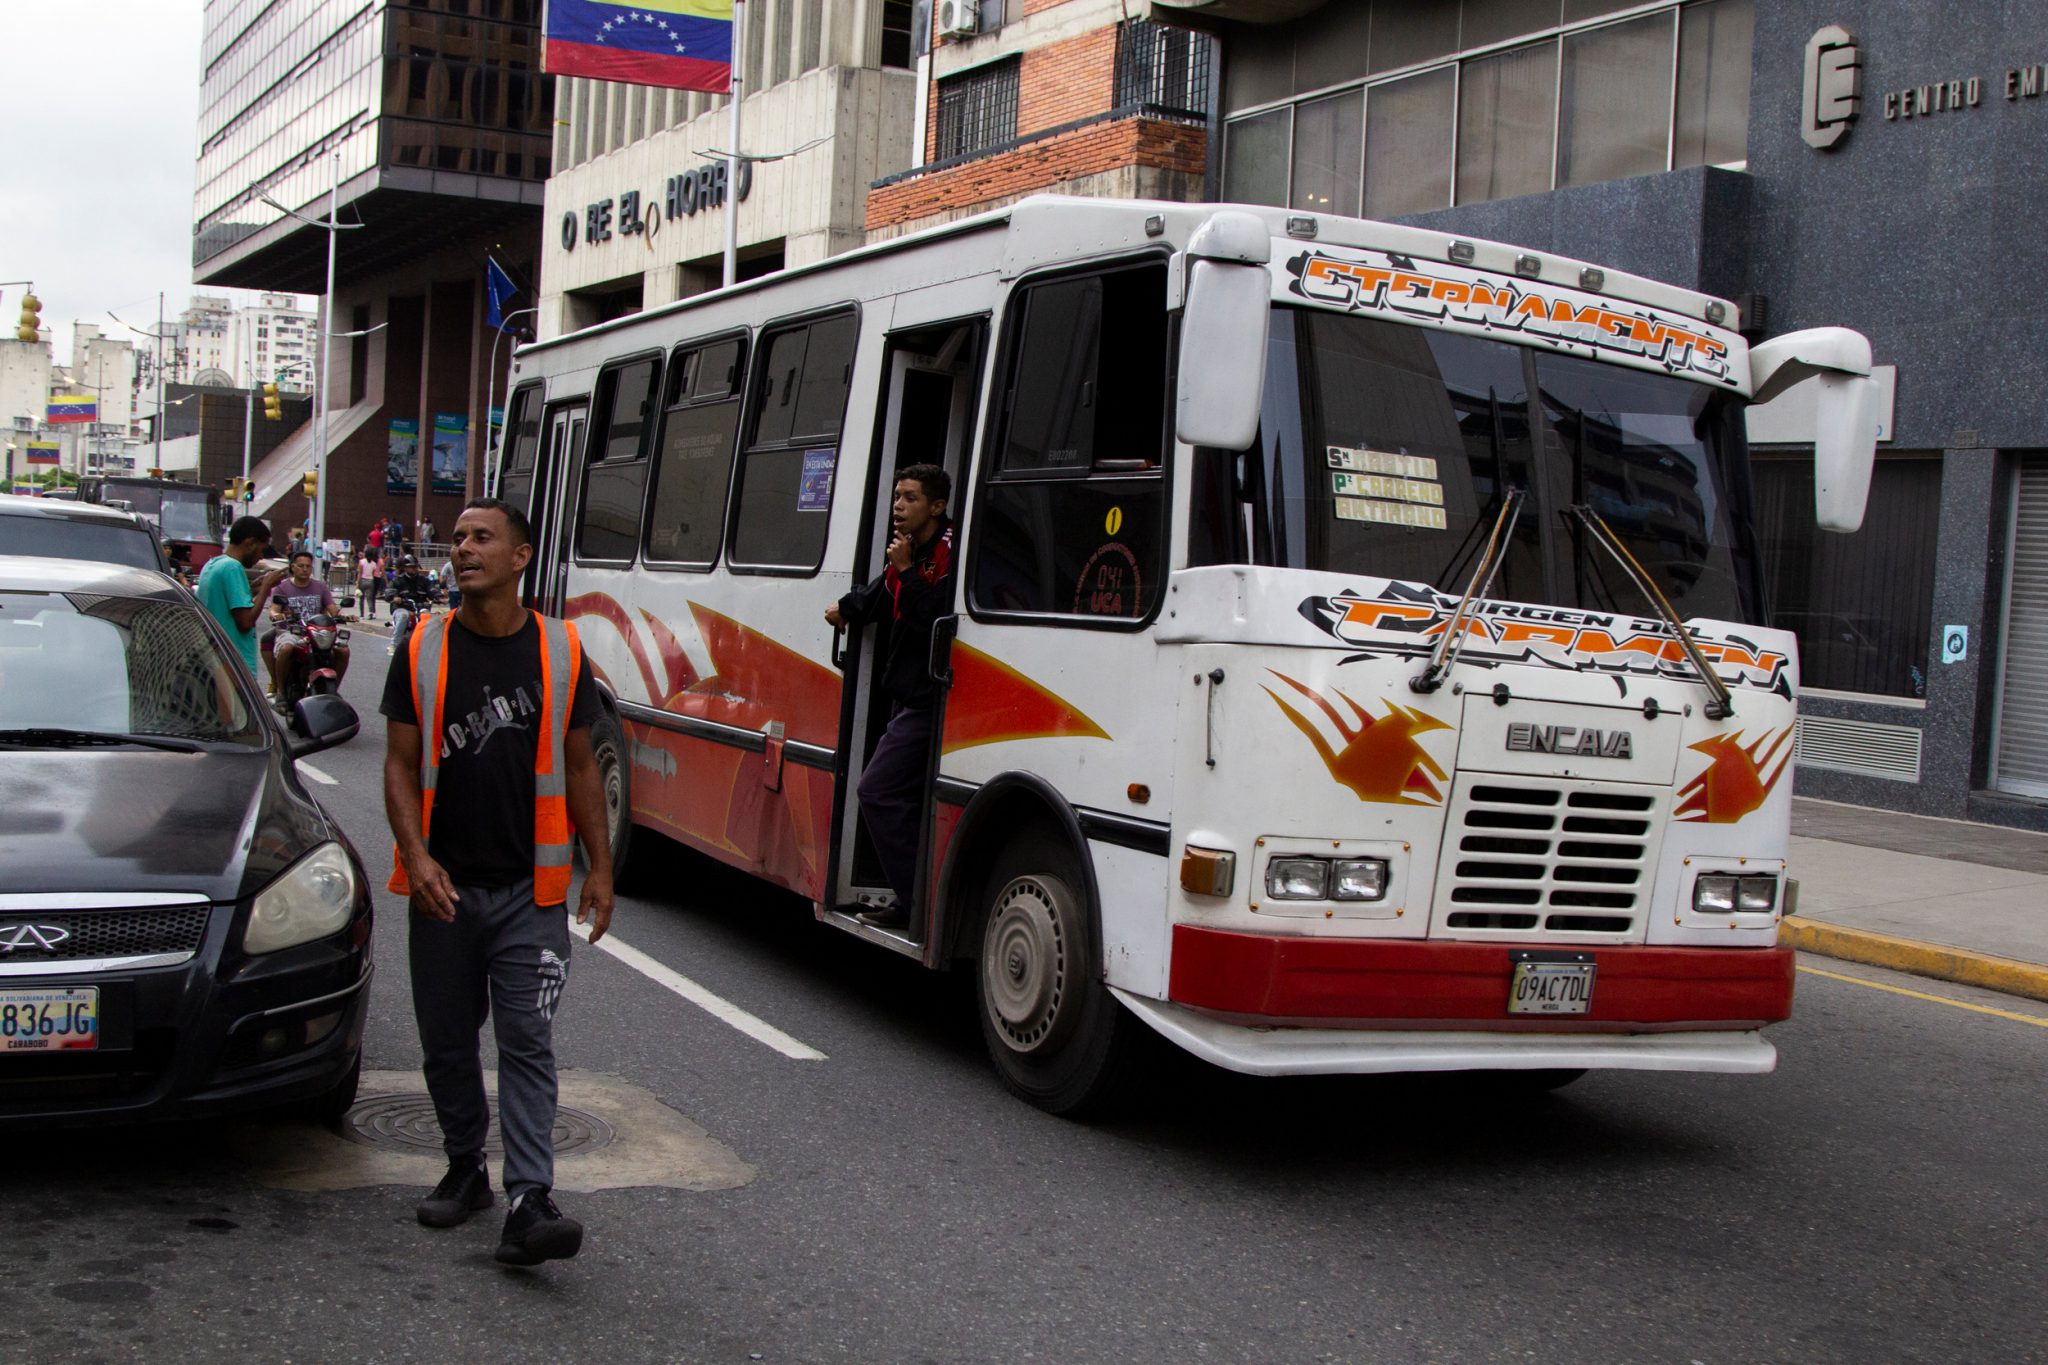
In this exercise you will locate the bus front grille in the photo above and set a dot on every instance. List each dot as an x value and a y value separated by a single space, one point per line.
1531 858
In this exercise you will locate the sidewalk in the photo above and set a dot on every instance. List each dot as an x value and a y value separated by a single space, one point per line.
1940 898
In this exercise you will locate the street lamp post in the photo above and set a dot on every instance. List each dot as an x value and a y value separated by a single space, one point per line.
490 401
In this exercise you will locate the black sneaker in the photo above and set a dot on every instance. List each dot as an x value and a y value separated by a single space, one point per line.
886 917
464 1190
536 1231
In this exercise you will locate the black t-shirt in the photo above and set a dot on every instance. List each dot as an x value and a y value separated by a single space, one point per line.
482 830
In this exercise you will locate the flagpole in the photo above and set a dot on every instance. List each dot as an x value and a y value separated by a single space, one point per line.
733 159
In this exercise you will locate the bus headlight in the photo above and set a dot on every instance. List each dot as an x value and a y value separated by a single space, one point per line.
1319 879
1298 879
1720 893
1358 879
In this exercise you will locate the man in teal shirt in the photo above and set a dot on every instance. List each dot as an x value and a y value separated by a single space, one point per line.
224 587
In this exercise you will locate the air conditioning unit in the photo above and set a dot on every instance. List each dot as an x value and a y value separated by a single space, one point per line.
959 18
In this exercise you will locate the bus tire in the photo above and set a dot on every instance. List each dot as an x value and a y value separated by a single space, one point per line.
1057 1036
615 780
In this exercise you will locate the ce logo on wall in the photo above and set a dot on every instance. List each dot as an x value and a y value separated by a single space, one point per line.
1832 87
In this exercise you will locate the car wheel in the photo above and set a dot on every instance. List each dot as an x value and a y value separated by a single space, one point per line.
615 775
1057 1036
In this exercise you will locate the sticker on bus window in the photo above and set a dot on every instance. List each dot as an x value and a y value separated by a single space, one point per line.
814 486
1387 488
1382 462
1391 513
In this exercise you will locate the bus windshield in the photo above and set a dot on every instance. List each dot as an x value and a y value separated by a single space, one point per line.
1386 450
188 516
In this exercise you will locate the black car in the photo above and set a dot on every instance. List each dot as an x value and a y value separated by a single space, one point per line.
78 530
183 930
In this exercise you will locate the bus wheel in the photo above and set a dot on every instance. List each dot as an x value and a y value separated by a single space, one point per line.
1057 1036
614 773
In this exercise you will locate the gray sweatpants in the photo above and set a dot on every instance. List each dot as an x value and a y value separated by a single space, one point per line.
506 959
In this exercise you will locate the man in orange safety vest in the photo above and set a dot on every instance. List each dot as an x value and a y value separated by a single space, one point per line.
487 767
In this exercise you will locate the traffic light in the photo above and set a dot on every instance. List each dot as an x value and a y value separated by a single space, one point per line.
248 490
273 406
310 485
234 489
31 326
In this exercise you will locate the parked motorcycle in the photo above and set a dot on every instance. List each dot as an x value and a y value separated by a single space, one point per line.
313 664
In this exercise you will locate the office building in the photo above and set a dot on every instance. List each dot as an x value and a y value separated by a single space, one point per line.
429 122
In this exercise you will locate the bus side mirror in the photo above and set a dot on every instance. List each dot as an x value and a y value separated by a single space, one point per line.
1845 416
1222 377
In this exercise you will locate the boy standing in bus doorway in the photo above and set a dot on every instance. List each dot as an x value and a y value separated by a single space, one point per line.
915 589
487 768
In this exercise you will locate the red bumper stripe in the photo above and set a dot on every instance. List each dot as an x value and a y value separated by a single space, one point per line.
1369 981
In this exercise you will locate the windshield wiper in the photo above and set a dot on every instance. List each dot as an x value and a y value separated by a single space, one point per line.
1445 655
1720 704
43 737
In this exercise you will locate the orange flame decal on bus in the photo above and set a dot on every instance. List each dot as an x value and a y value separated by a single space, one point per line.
1733 783
1380 760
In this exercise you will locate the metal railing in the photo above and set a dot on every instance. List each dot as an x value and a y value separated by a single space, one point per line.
1162 69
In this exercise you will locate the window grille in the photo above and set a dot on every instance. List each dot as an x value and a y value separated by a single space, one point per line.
978 109
1162 69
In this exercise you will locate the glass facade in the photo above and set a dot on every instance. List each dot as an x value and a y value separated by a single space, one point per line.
435 84
1387 108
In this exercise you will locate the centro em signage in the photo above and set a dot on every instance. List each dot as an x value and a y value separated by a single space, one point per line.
633 214
1832 90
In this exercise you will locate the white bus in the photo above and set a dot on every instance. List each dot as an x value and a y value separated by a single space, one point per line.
1354 664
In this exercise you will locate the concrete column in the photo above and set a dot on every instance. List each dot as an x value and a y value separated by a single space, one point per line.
424 473
1968 553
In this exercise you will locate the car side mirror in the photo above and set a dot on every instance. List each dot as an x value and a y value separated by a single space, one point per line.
1846 413
321 721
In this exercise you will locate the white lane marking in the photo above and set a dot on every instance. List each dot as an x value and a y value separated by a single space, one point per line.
717 1006
314 773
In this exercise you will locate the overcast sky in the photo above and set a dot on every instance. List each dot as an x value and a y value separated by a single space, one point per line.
99 107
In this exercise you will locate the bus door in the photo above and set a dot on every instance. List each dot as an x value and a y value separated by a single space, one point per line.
552 511
932 374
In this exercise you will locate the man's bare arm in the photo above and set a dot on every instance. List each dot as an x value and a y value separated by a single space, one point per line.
432 892
585 785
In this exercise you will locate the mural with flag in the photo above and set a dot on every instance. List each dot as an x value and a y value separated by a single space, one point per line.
681 44
72 407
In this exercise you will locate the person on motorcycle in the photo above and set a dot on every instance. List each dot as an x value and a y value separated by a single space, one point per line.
292 603
412 587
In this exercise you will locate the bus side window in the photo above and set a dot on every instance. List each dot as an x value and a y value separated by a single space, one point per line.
616 471
693 462
788 470
1072 518
515 484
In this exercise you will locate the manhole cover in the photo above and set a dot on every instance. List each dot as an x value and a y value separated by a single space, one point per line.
406 1123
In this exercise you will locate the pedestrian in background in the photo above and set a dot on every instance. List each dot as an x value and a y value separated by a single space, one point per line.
488 766
225 592
368 581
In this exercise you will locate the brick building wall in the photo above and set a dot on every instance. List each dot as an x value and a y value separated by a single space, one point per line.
1070 135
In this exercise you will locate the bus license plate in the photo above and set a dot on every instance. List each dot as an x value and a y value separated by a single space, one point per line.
1551 988
62 1020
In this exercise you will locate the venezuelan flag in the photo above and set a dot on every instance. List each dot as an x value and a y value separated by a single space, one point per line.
681 44
72 407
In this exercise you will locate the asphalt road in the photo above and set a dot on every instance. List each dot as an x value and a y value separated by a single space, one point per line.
1879 1198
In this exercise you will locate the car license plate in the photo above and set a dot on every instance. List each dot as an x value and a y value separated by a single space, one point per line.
66 1019
1551 988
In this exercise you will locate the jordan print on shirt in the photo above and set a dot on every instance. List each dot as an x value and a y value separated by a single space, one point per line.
497 713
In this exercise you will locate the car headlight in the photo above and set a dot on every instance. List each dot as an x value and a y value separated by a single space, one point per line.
1714 894
1756 895
312 900
1298 879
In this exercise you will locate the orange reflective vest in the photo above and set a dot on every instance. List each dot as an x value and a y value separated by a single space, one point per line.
561 658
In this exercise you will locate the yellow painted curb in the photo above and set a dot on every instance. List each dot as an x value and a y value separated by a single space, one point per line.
1959 965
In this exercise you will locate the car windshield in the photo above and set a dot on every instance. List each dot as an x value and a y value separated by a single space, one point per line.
78 537
1386 450
117 665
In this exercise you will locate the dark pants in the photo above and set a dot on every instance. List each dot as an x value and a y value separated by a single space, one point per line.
892 797
506 959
